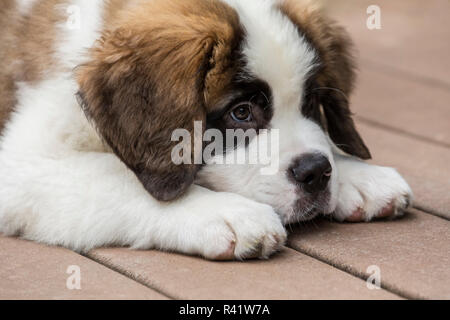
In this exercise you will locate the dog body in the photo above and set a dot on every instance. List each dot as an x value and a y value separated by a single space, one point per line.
90 106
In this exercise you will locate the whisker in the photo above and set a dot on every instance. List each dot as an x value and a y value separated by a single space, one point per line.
264 95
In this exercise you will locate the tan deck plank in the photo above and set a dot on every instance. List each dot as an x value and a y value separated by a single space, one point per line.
405 104
413 36
33 271
413 253
403 81
288 275
424 165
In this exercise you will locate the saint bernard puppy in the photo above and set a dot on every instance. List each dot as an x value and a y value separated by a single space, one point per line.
91 92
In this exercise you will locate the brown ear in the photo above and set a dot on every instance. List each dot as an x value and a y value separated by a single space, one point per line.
332 82
143 81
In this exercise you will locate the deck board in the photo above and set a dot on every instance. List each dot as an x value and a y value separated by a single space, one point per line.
414 35
413 253
33 271
405 105
287 275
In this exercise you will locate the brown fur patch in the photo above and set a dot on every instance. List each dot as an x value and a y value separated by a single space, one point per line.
113 10
163 67
335 77
38 39
27 47
9 24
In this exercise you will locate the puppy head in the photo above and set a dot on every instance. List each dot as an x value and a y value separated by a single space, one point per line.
161 68
305 60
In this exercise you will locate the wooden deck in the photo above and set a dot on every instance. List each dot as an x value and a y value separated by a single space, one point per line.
402 111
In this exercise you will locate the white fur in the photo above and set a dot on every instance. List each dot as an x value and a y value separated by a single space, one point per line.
60 185
61 205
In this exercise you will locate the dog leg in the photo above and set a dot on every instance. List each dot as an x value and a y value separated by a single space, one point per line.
368 191
92 200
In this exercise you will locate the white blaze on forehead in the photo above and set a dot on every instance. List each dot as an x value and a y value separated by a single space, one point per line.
274 49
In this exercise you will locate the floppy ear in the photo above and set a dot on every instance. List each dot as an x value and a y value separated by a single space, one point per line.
332 82
143 81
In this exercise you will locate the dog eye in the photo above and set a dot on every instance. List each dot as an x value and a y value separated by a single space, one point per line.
242 113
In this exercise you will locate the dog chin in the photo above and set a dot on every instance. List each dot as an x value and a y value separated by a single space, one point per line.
307 208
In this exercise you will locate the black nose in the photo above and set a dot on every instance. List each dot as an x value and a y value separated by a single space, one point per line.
312 171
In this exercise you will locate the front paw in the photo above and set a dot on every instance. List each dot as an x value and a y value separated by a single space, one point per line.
239 228
368 192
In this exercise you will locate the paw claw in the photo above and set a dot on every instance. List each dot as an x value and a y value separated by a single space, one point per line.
408 201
